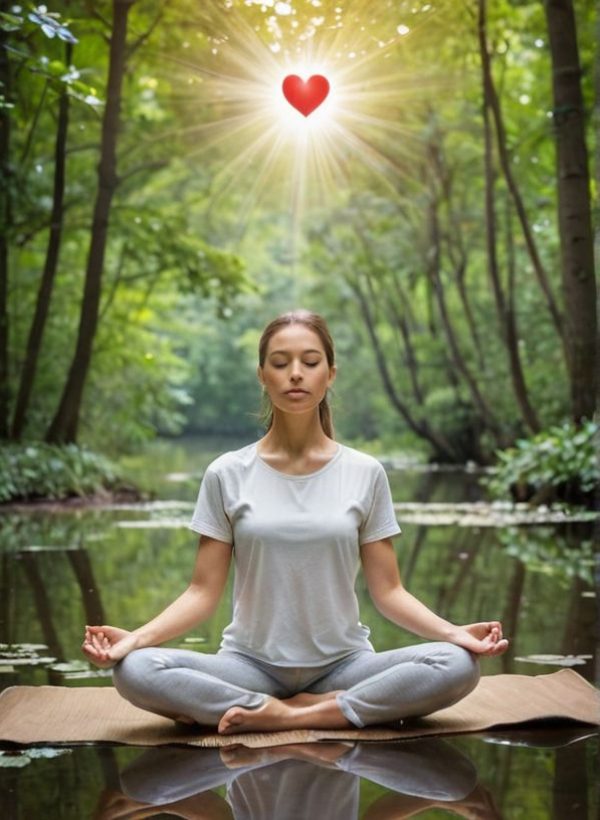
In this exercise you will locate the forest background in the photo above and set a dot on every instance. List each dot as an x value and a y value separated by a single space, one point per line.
157 210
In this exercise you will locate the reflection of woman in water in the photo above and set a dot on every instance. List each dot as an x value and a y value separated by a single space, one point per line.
299 513
299 781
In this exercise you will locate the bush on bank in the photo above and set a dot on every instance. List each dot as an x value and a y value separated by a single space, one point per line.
558 464
37 470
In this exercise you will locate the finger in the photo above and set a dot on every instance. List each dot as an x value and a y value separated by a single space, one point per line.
500 647
97 642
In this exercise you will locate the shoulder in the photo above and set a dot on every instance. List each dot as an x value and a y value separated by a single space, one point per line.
232 461
361 461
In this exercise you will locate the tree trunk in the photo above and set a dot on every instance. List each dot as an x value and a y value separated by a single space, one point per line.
574 210
5 224
508 330
441 447
38 323
493 103
433 272
66 420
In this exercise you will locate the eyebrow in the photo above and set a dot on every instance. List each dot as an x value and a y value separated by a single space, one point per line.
273 352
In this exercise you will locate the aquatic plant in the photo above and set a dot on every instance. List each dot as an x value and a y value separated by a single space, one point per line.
558 464
40 470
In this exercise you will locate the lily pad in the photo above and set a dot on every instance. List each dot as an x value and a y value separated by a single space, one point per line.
46 752
20 759
26 648
484 514
556 660
154 524
33 660
13 761
71 666
23 654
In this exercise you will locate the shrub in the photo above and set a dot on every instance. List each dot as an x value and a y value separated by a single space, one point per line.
39 470
557 464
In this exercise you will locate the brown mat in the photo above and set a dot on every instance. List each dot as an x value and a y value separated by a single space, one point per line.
56 714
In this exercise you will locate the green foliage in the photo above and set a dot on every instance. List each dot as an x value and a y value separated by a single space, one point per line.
558 463
543 550
39 470
201 220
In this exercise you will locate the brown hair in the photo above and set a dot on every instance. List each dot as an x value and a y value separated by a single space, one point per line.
315 323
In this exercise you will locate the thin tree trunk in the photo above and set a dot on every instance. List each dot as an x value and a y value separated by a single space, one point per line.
5 225
457 252
42 307
397 318
441 447
433 270
493 103
507 321
460 272
66 420
574 209
512 336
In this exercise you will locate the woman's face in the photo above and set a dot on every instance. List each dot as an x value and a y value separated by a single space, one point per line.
296 359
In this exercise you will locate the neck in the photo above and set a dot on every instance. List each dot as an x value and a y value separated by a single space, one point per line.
296 433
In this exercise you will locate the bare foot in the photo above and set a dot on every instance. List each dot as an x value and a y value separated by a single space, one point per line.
278 715
308 699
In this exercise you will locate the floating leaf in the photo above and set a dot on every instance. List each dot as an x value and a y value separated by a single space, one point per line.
71 666
13 761
556 660
46 752
23 648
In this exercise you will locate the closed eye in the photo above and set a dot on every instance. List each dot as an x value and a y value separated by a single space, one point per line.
308 364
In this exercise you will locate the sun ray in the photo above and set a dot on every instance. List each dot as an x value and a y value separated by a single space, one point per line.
263 148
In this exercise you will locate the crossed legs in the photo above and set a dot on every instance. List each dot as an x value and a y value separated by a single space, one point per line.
368 688
238 694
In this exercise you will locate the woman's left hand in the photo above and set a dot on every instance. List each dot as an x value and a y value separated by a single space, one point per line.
483 638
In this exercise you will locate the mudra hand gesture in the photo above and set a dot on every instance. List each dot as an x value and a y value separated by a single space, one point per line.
104 646
484 638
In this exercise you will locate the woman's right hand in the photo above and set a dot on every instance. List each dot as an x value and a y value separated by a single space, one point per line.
104 646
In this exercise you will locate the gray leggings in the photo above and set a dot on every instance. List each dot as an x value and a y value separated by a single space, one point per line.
377 687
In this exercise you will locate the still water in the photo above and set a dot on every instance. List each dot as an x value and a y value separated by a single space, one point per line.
121 564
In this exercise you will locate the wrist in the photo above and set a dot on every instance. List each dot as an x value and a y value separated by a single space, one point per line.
142 638
454 633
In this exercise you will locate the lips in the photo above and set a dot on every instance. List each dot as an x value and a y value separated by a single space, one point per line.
297 392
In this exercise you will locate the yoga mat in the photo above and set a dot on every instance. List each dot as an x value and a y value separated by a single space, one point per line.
56 714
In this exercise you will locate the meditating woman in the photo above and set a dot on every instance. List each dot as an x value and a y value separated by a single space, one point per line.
299 513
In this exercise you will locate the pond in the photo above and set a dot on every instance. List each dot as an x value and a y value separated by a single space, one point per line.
121 564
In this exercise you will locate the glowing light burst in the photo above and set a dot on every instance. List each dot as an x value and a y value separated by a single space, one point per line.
265 151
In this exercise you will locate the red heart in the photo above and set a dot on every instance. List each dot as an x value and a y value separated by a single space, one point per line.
305 95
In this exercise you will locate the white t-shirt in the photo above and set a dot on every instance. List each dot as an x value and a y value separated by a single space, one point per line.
296 550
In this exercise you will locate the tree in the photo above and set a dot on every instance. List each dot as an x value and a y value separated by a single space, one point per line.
63 427
42 307
5 221
574 210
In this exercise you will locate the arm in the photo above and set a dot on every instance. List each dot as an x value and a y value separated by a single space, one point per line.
105 645
399 606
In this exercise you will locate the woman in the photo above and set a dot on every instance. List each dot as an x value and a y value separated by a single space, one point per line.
299 512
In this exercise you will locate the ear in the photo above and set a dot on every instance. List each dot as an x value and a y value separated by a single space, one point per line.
259 375
332 374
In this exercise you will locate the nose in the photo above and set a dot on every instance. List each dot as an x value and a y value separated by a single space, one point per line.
296 371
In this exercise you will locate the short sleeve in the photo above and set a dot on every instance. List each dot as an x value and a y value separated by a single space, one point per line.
209 516
380 521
